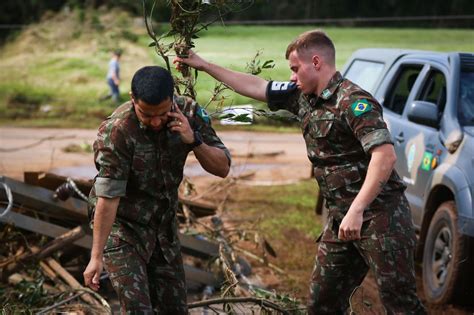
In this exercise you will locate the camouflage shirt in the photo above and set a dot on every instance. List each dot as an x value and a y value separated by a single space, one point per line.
340 127
145 168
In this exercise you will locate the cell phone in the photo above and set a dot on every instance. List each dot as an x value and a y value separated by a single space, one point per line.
173 110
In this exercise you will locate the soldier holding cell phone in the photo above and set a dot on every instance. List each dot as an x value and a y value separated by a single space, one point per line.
140 154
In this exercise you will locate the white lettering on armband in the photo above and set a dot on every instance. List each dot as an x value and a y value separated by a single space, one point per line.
279 86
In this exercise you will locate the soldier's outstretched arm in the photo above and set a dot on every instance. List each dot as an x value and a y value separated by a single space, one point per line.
243 83
104 217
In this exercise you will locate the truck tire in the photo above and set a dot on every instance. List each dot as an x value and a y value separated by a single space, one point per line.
445 263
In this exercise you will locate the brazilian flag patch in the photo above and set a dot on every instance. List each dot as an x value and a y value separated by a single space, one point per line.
427 159
360 107
203 114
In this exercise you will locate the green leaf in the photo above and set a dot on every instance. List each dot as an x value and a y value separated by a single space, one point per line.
269 64
242 118
226 116
152 44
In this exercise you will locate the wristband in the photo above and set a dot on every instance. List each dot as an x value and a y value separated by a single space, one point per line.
197 139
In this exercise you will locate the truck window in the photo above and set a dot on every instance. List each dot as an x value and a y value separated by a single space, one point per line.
434 90
397 95
466 99
365 74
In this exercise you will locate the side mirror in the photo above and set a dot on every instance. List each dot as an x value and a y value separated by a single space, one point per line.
424 113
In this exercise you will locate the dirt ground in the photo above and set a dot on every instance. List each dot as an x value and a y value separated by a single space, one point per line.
275 158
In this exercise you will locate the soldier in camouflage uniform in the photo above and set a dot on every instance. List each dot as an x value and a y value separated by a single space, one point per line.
369 224
140 154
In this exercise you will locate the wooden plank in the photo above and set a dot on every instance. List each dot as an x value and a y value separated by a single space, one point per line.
196 275
52 181
192 246
41 227
41 200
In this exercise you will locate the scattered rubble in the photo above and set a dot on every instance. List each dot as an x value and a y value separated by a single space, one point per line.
44 226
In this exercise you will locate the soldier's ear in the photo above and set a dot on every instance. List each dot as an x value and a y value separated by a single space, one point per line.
316 62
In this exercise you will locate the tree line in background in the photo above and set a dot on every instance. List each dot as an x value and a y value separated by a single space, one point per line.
15 13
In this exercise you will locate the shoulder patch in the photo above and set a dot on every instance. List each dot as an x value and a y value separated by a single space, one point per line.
203 114
360 107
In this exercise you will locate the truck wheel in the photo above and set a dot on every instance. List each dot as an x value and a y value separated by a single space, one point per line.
444 257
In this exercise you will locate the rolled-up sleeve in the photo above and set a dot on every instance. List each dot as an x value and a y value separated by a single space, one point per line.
110 188
375 138
112 159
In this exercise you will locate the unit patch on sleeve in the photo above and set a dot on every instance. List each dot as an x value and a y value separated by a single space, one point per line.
360 107
203 114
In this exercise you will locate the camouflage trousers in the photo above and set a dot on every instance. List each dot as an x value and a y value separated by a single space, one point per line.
386 248
156 287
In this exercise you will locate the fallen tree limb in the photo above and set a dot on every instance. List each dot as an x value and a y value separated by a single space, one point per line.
70 280
53 277
259 259
60 242
35 253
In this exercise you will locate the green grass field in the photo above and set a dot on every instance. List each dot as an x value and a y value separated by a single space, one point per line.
53 73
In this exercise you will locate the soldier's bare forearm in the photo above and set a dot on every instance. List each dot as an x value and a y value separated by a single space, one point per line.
243 83
213 160
104 217
380 168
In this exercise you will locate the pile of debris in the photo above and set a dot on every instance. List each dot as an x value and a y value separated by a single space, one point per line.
46 246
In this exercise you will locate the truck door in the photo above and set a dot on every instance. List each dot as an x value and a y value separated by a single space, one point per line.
402 80
418 146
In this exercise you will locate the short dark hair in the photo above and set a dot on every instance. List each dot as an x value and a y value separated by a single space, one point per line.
152 84
315 39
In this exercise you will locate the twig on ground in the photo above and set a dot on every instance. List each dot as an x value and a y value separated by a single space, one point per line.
257 301
5 150
52 307
261 260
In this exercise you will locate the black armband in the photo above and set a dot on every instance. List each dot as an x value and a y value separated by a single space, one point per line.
278 94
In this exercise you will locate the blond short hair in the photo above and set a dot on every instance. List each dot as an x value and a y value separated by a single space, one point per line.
313 40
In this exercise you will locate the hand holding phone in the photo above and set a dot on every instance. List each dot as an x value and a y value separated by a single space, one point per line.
180 124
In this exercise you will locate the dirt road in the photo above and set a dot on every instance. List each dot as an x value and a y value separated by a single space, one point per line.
275 158
33 149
